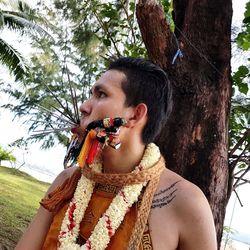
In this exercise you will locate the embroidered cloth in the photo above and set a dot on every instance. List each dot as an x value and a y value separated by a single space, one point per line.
100 200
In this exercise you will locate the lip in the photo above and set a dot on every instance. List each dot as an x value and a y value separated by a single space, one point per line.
83 121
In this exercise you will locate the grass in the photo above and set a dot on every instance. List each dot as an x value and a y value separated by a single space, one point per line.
19 199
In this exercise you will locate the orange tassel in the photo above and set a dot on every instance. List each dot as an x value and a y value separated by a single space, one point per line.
86 147
63 193
93 152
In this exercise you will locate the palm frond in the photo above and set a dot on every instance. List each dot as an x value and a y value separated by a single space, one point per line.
24 7
1 19
16 21
3 2
17 13
10 57
17 5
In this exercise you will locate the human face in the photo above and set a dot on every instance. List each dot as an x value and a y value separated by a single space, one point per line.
107 99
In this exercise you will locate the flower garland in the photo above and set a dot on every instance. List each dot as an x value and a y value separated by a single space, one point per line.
113 216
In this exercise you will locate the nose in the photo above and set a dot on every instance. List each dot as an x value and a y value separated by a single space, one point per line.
85 107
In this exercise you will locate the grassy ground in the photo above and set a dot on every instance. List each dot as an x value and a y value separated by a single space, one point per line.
19 198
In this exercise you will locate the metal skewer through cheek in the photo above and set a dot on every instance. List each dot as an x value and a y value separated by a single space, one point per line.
107 132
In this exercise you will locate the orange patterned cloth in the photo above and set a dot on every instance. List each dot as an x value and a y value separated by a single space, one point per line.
100 201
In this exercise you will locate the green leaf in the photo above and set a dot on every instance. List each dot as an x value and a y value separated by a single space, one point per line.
109 13
106 42
132 6
243 88
247 11
243 40
238 79
246 20
242 166
166 5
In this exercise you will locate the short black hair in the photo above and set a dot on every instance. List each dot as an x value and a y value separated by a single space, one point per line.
146 83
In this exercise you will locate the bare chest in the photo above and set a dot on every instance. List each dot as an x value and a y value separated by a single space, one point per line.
163 230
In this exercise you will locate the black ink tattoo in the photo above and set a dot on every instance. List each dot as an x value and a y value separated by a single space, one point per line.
165 197
168 193
159 205
166 189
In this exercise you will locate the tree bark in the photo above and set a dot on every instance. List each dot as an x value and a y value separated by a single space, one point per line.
195 140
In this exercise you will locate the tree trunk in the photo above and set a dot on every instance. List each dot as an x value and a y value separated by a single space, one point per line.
195 140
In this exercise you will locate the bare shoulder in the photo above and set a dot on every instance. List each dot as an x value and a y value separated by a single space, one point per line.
66 173
189 206
183 191
59 180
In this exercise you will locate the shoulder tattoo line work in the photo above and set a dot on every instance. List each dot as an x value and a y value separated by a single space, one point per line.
165 196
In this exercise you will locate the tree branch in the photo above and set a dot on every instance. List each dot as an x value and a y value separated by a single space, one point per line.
240 171
238 198
156 32
239 143
244 181
234 163
240 177
129 22
107 32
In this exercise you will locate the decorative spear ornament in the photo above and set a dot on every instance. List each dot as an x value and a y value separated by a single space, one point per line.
98 134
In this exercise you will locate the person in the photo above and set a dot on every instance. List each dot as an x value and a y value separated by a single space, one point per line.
173 213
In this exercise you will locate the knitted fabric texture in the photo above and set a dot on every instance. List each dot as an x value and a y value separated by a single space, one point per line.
123 179
151 175
144 208
57 198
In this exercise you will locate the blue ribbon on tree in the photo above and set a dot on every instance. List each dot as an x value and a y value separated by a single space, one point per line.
177 54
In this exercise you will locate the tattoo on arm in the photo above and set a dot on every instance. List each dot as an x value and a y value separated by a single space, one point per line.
165 196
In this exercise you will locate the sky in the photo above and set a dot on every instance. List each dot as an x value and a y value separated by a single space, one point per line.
46 164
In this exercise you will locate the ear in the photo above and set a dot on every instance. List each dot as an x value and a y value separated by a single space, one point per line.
139 115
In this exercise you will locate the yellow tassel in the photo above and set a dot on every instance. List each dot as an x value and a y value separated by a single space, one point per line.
85 148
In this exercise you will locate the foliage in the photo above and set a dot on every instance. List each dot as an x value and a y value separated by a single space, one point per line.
17 203
86 34
240 78
10 57
113 24
6 155
243 39
239 130
83 43
16 16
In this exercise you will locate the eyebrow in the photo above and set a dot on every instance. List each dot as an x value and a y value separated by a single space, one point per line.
97 88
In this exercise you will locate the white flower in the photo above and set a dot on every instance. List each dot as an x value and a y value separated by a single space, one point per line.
114 215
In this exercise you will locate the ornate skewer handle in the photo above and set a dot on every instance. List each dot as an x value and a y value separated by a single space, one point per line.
109 128
107 123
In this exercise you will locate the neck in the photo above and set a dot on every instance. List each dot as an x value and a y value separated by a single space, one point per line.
124 159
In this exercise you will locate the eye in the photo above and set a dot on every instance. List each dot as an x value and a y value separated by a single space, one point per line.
101 94
96 92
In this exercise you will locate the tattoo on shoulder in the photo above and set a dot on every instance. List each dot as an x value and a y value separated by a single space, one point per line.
164 196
